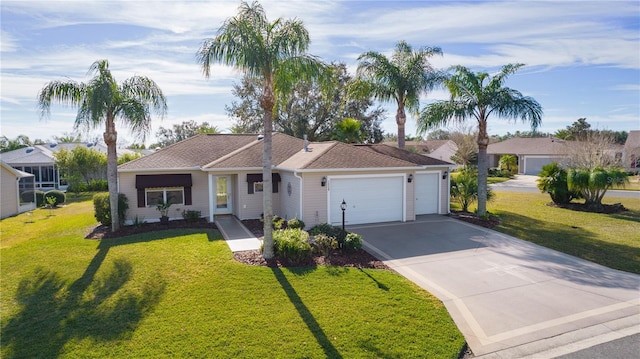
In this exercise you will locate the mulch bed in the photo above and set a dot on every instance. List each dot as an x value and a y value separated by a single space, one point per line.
358 259
605 208
103 231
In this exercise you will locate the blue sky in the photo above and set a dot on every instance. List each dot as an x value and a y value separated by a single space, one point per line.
582 57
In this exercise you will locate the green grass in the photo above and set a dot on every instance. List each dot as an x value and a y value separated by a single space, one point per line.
612 240
180 293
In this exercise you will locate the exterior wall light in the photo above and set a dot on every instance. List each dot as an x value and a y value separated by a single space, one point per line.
324 181
444 174
410 178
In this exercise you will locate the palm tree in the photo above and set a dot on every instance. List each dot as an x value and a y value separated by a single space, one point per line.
275 53
102 101
479 95
402 79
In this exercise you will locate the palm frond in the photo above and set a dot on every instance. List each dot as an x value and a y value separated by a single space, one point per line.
64 92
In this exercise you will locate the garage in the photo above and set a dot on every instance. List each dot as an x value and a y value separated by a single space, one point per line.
369 199
533 164
427 192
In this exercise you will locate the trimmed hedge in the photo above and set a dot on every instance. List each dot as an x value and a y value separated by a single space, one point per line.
58 197
102 208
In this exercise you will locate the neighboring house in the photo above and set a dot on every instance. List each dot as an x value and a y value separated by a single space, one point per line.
438 149
532 153
39 160
222 174
18 191
631 152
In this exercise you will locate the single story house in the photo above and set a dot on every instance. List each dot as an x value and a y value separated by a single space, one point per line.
631 152
17 190
40 161
532 153
220 174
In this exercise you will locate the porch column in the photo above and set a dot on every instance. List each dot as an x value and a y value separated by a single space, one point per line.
212 204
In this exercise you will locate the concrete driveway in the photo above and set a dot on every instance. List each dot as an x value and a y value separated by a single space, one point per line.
509 297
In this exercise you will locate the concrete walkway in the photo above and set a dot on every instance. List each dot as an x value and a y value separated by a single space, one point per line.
510 298
238 237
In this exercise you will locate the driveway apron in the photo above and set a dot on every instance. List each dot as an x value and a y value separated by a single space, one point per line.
504 292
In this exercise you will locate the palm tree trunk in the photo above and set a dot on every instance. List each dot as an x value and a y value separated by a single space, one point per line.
110 139
401 119
483 168
267 200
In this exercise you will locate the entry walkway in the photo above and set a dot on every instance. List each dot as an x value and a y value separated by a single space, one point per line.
237 236
510 298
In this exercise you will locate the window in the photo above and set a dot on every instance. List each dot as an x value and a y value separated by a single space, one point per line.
154 188
156 195
257 187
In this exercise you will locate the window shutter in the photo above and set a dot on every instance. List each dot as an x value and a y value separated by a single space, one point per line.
141 200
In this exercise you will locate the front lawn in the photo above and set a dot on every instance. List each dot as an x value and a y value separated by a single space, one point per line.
180 293
612 240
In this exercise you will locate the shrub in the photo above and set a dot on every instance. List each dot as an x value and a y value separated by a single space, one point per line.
40 198
553 180
497 172
277 222
327 229
27 196
508 164
98 185
191 216
295 223
77 187
58 198
292 244
323 244
102 207
352 242
464 189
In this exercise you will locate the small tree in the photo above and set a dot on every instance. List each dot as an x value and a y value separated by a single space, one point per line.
464 188
508 163
592 184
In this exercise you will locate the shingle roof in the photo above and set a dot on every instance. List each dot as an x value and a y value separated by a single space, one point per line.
283 147
196 151
424 147
405 155
342 155
529 146
245 151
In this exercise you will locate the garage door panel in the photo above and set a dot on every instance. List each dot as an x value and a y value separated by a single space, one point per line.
427 193
534 164
369 199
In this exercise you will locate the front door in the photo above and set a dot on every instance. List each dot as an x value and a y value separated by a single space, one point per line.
223 194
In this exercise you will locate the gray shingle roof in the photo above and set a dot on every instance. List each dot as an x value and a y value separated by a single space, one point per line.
405 155
196 151
245 151
529 146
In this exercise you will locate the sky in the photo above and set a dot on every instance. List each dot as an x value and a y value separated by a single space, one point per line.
582 57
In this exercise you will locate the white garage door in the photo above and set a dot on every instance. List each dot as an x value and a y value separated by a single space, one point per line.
427 192
369 199
533 165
